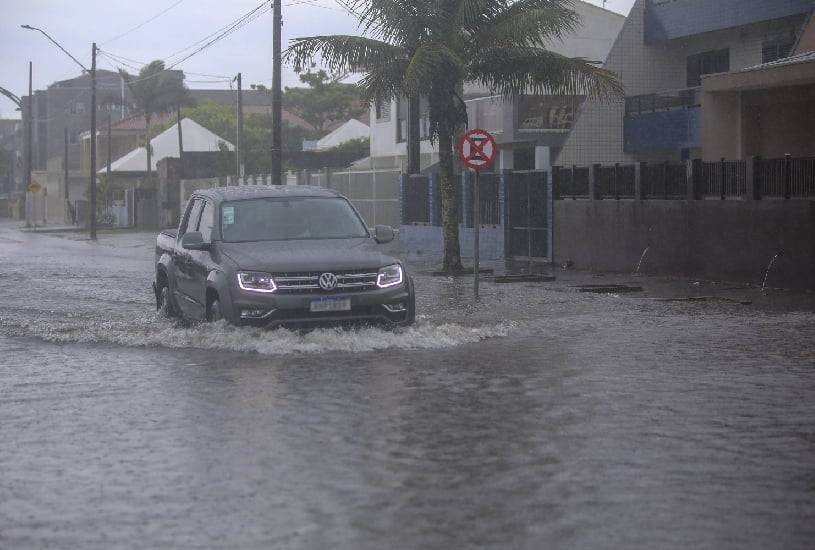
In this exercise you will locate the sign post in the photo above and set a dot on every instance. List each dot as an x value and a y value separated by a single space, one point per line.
477 150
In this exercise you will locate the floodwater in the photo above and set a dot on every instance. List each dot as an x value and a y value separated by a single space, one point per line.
540 418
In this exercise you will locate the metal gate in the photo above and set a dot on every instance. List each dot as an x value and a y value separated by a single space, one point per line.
529 209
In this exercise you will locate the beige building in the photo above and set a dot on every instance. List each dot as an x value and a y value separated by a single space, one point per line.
662 55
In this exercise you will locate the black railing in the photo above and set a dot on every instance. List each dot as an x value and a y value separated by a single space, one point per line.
725 178
417 205
664 181
488 201
571 182
786 177
616 182
663 101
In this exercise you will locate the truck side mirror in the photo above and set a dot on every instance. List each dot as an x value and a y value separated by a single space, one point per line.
194 241
383 234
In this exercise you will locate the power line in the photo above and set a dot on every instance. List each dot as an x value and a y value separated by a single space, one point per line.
140 25
263 8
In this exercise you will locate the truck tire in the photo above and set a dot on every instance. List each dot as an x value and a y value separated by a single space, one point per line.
164 303
214 314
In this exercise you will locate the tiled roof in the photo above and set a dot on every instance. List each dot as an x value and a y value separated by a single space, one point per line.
808 57
137 122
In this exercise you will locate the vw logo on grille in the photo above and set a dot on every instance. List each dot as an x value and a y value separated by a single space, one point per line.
328 281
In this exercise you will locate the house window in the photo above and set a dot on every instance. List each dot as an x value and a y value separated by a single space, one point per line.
546 112
383 110
77 108
715 61
402 119
773 51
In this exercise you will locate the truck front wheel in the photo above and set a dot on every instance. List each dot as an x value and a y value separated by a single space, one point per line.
164 302
214 314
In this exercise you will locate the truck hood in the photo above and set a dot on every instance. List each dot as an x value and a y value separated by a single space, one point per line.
306 255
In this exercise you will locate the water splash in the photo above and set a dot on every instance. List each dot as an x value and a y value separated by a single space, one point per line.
150 330
767 272
639 264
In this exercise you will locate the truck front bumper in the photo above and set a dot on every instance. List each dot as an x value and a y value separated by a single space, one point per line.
390 306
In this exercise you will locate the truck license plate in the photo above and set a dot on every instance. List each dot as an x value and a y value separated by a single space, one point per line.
329 304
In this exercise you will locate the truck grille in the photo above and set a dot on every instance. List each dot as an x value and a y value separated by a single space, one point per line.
308 283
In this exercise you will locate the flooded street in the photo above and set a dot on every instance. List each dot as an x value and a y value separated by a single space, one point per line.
543 417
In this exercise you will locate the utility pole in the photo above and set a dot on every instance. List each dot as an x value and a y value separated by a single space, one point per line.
108 147
65 175
180 136
29 131
277 106
93 142
239 137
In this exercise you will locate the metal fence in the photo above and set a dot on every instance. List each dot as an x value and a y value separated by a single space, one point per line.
489 210
664 181
571 182
724 178
785 178
416 196
782 178
616 182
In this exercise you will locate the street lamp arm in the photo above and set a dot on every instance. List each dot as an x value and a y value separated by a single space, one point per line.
11 96
30 28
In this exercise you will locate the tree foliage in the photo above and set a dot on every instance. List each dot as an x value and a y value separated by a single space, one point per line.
325 101
430 48
155 91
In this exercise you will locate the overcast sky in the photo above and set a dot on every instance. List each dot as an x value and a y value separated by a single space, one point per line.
77 23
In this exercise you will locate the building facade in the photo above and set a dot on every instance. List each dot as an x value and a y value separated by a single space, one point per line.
529 130
11 157
663 55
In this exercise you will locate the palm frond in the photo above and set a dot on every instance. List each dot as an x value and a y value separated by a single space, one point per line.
529 23
516 71
393 21
343 53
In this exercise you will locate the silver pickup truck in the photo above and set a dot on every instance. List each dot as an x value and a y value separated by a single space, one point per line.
293 255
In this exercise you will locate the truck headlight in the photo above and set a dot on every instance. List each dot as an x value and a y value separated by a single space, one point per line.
256 282
389 276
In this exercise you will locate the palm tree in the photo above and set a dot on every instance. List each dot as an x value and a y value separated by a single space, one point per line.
155 92
430 48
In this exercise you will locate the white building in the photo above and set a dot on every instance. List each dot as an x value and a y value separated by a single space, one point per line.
195 136
348 131
530 130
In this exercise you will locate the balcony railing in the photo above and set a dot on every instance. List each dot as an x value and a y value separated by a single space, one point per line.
669 100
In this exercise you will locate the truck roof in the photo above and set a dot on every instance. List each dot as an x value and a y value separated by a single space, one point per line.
239 192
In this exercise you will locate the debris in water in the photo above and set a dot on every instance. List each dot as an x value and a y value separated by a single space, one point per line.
523 278
707 299
608 289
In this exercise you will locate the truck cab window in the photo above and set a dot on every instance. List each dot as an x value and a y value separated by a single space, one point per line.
192 217
207 221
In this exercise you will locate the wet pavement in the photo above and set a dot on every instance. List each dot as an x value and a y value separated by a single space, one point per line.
542 417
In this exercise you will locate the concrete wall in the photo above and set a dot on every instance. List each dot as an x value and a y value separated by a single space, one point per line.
428 240
720 240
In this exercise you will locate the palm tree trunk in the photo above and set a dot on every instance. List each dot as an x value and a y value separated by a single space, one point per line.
449 205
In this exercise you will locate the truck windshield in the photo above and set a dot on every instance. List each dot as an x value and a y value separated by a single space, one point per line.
281 219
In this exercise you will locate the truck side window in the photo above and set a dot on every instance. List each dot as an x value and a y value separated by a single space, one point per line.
192 217
207 221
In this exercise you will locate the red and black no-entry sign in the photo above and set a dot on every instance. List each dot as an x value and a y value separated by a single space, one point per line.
477 149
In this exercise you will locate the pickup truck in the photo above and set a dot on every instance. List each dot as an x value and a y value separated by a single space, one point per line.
279 255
